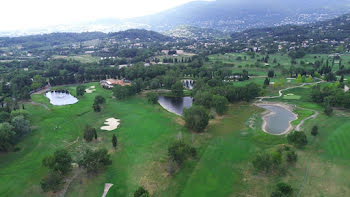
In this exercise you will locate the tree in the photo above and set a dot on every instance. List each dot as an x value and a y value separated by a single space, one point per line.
309 79
60 161
299 139
220 103
180 151
38 82
267 82
99 100
80 90
93 161
152 97
96 107
141 192
52 182
7 136
271 74
299 79
204 98
21 125
89 133
292 157
120 92
196 118
4 116
177 89
285 189
314 130
114 141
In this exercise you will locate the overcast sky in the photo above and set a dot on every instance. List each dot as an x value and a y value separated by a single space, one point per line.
24 14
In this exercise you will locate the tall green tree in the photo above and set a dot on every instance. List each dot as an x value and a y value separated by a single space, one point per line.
114 141
196 118
220 103
177 89
80 90
60 161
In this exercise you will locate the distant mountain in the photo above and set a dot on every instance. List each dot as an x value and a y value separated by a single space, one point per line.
337 29
186 31
238 15
54 39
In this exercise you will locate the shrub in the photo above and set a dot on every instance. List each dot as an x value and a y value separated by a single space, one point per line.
179 152
141 192
263 162
299 139
52 182
292 157
94 160
314 131
59 162
89 133
152 97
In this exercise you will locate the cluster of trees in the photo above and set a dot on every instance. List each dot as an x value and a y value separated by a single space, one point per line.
60 165
123 92
276 161
331 96
13 126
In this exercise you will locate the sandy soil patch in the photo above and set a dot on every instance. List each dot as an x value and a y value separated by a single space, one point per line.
111 123
90 90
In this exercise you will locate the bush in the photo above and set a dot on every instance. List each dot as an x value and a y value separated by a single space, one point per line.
285 189
314 131
80 90
141 192
52 182
292 157
59 162
179 152
299 139
220 104
152 97
196 118
89 133
94 160
263 162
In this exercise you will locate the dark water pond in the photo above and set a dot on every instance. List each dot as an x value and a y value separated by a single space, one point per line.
175 105
61 98
279 120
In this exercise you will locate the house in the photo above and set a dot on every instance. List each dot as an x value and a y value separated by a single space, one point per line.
110 83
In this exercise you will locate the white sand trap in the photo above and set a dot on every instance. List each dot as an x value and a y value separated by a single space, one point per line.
112 124
107 187
90 90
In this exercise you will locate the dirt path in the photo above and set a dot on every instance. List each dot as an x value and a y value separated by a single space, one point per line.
280 94
68 181
316 113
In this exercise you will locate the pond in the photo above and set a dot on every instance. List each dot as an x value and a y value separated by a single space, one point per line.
278 120
61 98
175 105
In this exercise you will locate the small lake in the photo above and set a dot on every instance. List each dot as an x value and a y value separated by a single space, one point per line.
278 120
175 105
61 98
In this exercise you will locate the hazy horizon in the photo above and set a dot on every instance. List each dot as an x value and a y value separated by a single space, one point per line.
23 14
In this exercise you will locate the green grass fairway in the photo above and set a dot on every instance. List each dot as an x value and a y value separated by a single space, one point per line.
291 97
225 151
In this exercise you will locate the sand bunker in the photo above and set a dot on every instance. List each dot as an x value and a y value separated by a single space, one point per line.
90 90
107 187
112 124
